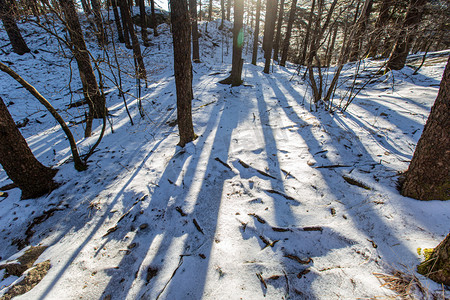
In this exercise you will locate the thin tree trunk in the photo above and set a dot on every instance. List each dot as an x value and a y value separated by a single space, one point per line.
123 4
22 167
360 31
15 37
139 62
91 91
222 10
428 175
382 20
101 34
256 32
401 49
183 69
210 10
117 21
287 38
269 28
86 8
228 9
331 49
195 35
143 16
276 45
308 32
155 22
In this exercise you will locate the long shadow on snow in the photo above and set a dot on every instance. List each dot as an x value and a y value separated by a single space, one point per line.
366 218
168 227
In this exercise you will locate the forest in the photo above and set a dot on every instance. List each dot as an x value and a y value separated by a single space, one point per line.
230 149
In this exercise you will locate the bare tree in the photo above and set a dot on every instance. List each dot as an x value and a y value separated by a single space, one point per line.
15 37
183 69
276 45
101 34
143 17
235 78
269 28
22 167
382 20
91 92
361 26
195 35
287 38
117 21
256 32
155 22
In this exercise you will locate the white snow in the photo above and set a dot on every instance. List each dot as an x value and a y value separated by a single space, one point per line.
303 229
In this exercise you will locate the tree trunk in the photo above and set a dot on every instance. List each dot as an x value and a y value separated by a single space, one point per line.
17 42
139 62
228 9
269 28
437 266
256 32
183 69
117 21
101 35
428 175
238 41
397 59
33 178
360 31
302 57
126 30
86 8
195 35
143 16
382 20
91 91
155 23
276 45
333 41
222 10
210 10
287 38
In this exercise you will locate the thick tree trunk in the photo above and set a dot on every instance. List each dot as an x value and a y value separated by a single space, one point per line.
437 266
117 21
155 23
33 178
276 45
269 28
397 59
183 69
256 33
287 38
139 62
91 91
238 41
195 35
428 176
7 16
101 34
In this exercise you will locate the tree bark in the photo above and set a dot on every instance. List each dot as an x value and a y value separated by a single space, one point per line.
397 59
428 175
183 69
210 10
256 33
302 57
276 45
228 9
126 30
91 91
195 35
437 266
287 38
101 35
155 23
15 37
382 20
139 62
238 41
269 28
117 21
22 167
143 16
222 10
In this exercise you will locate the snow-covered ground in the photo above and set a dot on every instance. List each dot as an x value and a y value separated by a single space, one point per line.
258 206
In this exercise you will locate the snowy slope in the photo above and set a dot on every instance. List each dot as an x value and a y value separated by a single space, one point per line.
256 207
